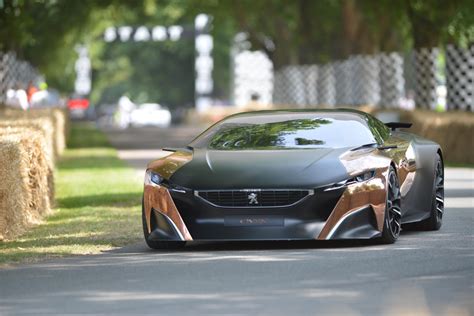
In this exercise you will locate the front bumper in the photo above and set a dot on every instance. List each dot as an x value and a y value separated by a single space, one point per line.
352 212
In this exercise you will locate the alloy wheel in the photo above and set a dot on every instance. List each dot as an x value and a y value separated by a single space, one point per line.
393 205
439 190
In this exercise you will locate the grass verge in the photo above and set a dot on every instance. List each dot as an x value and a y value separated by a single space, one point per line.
97 204
459 165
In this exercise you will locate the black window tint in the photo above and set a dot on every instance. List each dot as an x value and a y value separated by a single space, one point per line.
278 133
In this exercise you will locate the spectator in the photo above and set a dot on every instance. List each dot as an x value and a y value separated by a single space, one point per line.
125 107
31 90
17 98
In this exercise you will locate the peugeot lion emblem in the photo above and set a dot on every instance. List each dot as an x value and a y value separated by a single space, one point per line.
252 198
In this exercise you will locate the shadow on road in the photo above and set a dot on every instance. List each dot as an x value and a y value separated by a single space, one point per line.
203 246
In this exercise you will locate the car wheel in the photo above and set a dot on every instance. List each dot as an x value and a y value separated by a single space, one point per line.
435 220
161 244
393 213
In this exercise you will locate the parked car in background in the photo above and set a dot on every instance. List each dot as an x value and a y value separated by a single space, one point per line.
78 106
150 114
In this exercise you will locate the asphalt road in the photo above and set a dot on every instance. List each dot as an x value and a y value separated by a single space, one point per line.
424 273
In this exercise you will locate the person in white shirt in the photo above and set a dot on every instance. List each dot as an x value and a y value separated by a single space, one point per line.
17 98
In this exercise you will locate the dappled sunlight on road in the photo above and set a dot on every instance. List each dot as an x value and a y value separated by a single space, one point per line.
403 298
312 276
424 273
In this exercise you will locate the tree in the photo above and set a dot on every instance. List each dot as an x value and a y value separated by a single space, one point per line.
45 33
305 31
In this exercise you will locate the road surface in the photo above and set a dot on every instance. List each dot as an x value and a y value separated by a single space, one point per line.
425 273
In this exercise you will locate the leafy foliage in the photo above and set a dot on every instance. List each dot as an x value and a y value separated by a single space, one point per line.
45 33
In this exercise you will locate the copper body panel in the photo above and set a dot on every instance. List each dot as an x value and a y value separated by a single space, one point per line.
168 165
373 193
159 199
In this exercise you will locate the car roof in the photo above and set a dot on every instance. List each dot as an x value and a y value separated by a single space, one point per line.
301 111
340 113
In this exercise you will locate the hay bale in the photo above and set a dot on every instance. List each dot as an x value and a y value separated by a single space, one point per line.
43 125
41 172
64 112
62 129
24 195
58 117
14 212
43 143
454 131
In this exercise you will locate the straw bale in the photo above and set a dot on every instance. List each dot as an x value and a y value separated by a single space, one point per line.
62 129
58 117
14 211
43 143
40 172
454 131
64 112
43 125
24 186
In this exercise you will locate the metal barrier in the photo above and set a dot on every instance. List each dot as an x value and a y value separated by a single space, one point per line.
385 79
460 77
15 74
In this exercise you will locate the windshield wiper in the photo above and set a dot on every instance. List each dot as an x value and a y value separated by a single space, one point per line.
370 145
187 149
376 146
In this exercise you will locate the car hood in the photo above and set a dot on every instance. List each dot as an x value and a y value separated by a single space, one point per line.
271 169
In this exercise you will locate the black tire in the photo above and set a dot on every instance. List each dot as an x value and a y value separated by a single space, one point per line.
393 215
161 244
435 220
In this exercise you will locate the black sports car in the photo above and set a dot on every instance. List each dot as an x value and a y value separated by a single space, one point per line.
295 175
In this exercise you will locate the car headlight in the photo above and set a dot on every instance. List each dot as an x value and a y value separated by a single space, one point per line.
152 178
364 176
356 179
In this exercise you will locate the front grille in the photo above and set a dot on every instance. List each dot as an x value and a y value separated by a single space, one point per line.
253 198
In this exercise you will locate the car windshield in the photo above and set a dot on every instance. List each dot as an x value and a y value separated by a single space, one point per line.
286 131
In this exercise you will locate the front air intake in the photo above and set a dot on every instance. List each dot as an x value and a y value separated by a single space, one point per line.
253 197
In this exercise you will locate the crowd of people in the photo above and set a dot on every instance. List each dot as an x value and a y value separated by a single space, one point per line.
34 96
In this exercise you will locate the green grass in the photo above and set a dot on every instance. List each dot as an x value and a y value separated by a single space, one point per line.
459 165
97 204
